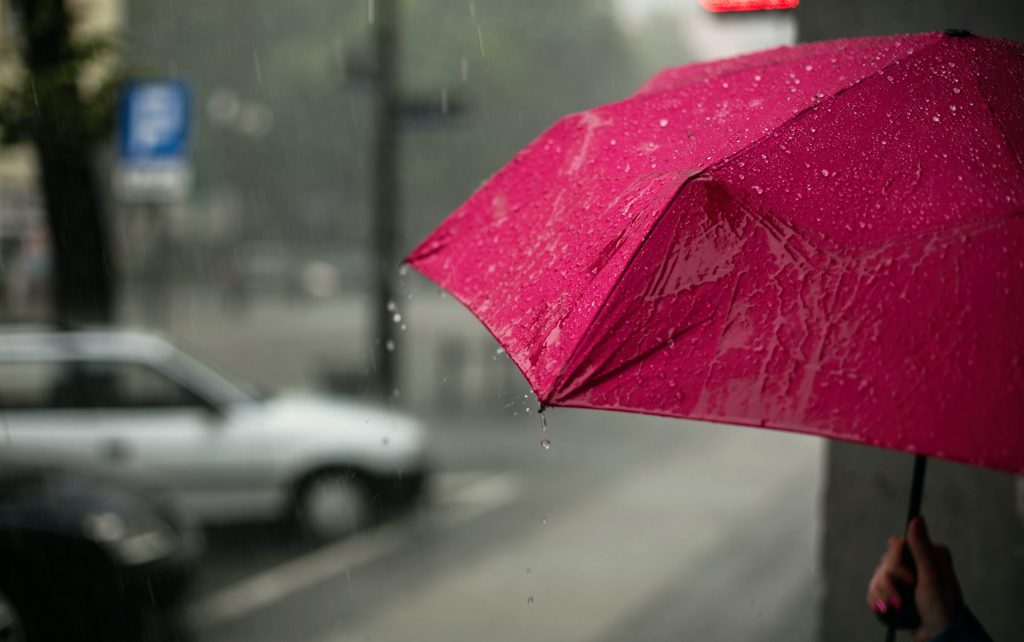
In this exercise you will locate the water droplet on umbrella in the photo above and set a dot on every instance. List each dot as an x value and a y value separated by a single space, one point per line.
824 172
758 189
545 444
935 118
663 122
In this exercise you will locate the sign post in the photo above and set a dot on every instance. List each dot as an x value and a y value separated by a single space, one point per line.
153 176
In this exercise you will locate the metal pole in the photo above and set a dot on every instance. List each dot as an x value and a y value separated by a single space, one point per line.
385 193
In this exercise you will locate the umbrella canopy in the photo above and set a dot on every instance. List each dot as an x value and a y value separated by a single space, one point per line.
826 238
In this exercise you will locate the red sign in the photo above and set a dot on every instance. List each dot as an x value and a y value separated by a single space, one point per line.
719 6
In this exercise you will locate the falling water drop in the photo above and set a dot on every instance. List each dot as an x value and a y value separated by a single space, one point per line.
529 600
545 444
390 345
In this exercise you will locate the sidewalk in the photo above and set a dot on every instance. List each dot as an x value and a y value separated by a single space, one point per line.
643 561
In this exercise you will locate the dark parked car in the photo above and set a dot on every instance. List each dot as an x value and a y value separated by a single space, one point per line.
82 558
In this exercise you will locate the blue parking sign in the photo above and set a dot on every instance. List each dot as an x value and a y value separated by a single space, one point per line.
154 118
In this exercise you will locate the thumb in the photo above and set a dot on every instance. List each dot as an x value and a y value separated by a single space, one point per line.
921 546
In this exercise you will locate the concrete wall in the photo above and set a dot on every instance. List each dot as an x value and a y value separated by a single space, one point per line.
977 512
827 19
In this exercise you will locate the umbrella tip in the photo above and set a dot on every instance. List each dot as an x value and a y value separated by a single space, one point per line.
957 33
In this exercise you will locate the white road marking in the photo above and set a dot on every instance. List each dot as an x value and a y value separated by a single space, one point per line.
460 496
470 500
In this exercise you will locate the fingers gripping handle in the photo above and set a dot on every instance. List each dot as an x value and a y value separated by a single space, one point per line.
906 616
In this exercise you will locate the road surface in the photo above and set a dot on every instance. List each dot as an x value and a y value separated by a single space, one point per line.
627 528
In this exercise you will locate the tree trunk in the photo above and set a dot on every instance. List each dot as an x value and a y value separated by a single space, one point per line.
83 289
83 275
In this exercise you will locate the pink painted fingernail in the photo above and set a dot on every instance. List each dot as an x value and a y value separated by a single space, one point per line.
881 606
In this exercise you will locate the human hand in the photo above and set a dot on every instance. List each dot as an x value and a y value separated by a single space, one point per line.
936 591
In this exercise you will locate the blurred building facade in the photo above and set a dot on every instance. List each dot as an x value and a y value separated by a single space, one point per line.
978 513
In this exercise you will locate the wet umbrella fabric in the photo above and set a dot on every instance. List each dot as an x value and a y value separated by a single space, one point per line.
827 239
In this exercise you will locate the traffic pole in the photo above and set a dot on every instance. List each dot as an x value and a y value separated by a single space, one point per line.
385 190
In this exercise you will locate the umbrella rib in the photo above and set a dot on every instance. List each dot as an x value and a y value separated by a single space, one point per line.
813 106
565 374
995 119
625 365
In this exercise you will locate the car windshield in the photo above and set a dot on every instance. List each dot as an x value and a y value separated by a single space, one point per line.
212 384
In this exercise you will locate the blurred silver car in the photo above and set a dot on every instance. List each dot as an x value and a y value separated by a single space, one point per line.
142 408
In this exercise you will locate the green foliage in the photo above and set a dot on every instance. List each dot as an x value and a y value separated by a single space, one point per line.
67 103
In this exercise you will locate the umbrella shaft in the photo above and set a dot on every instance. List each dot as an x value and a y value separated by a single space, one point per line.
916 487
913 510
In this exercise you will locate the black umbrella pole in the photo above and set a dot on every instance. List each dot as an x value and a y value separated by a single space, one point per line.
916 488
907 617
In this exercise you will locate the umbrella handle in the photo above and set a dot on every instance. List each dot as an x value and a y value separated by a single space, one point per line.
907 617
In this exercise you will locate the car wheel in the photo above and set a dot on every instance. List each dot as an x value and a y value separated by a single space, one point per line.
332 504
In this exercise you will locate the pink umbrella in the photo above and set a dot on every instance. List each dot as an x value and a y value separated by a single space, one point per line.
826 239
